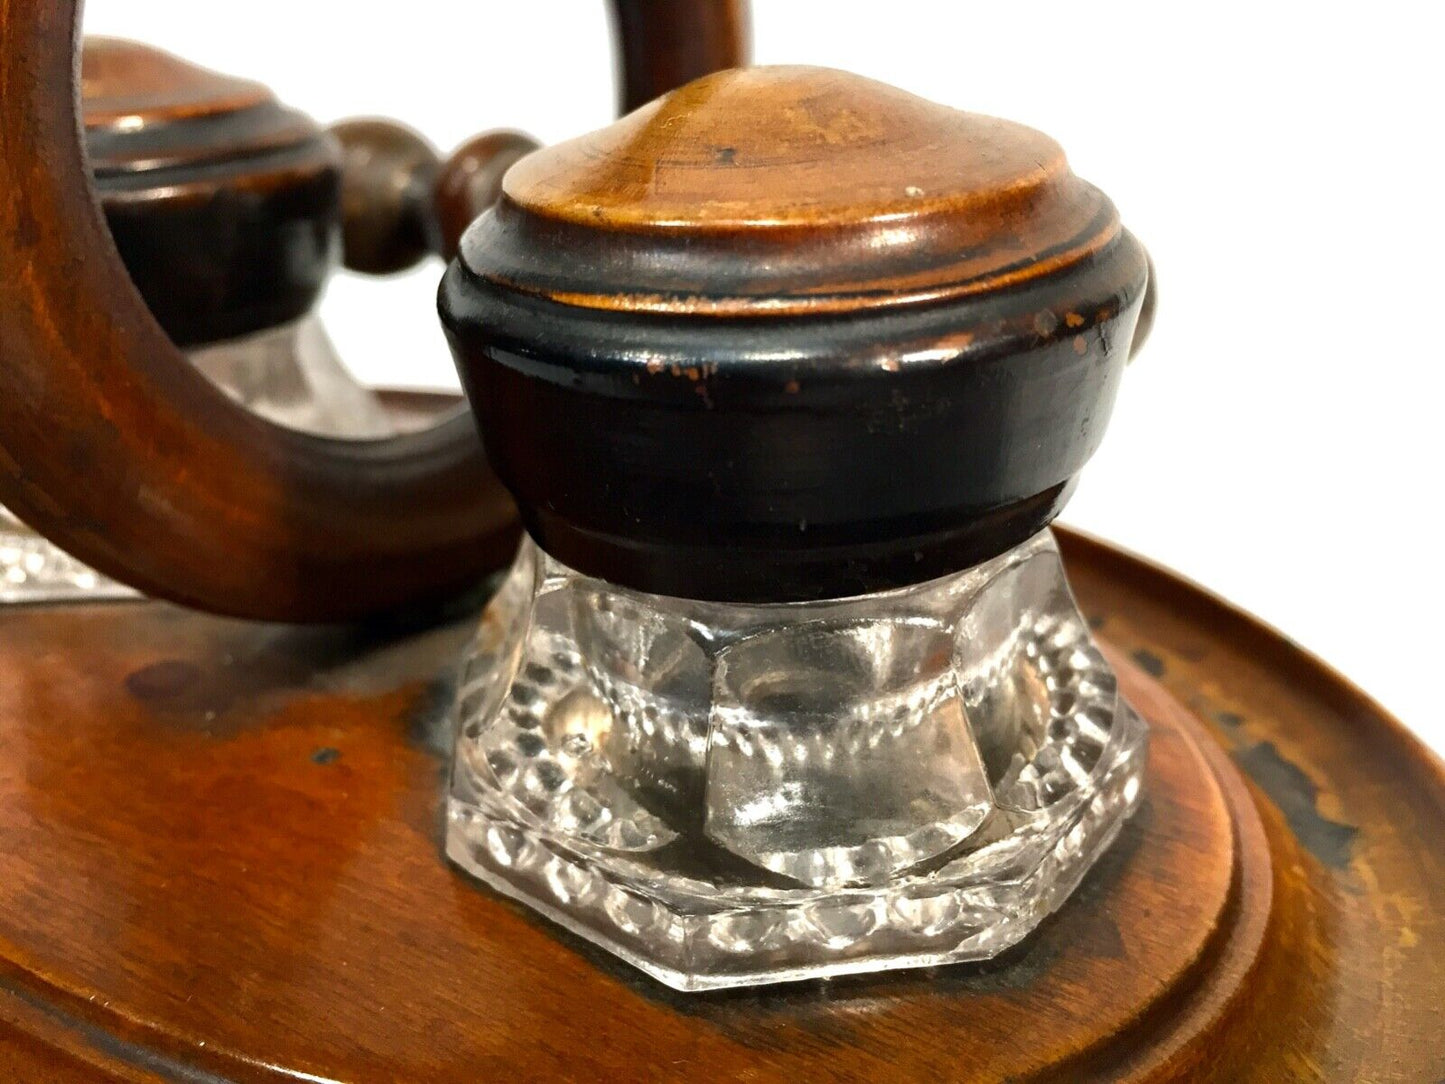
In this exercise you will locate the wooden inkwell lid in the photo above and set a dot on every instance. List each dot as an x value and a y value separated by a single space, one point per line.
223 203
793 334
223 856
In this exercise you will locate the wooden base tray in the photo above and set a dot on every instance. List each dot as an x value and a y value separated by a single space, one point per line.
220 859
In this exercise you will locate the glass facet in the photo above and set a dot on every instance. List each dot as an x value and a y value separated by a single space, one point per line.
728 794
289 374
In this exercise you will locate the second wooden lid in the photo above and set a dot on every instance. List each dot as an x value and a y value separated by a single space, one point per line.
224 204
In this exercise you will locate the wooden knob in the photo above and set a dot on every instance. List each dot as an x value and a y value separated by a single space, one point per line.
855 339
387 175
222 202
117 450
400 203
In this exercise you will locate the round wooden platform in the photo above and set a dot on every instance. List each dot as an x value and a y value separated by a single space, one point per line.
222 861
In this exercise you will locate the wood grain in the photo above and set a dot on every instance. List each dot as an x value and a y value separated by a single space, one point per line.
770 191
1361 918
402 203
280 844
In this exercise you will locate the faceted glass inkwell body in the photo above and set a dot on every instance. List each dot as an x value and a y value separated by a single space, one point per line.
729 794
789 372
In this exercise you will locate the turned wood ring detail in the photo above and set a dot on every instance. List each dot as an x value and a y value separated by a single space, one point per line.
117 450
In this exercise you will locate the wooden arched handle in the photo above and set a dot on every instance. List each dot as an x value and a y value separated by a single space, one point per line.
118 451
662 44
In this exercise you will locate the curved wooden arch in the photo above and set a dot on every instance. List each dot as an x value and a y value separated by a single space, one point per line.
117 450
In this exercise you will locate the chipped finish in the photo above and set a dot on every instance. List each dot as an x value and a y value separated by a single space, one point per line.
1149 662
348 859
1343 779
1296 796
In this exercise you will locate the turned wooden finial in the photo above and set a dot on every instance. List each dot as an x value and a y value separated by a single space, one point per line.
401 202
128 85
855 339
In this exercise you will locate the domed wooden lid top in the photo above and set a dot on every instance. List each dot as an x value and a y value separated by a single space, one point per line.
128 84
790 189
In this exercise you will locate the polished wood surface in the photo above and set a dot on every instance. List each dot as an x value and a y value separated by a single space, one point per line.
1352 988
226 865
128 86
321 874
386 177
114 448
471 181
403 202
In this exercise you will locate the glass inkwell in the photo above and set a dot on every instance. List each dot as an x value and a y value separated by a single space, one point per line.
789 372
226 209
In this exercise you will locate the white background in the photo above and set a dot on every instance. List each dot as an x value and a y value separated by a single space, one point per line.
1280 438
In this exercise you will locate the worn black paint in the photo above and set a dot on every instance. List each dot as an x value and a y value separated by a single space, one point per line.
227 223
162 681
1149 662
796 457
1296 795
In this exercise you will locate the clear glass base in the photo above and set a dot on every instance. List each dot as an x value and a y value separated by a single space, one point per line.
293 376
290 375
728 795
33 569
